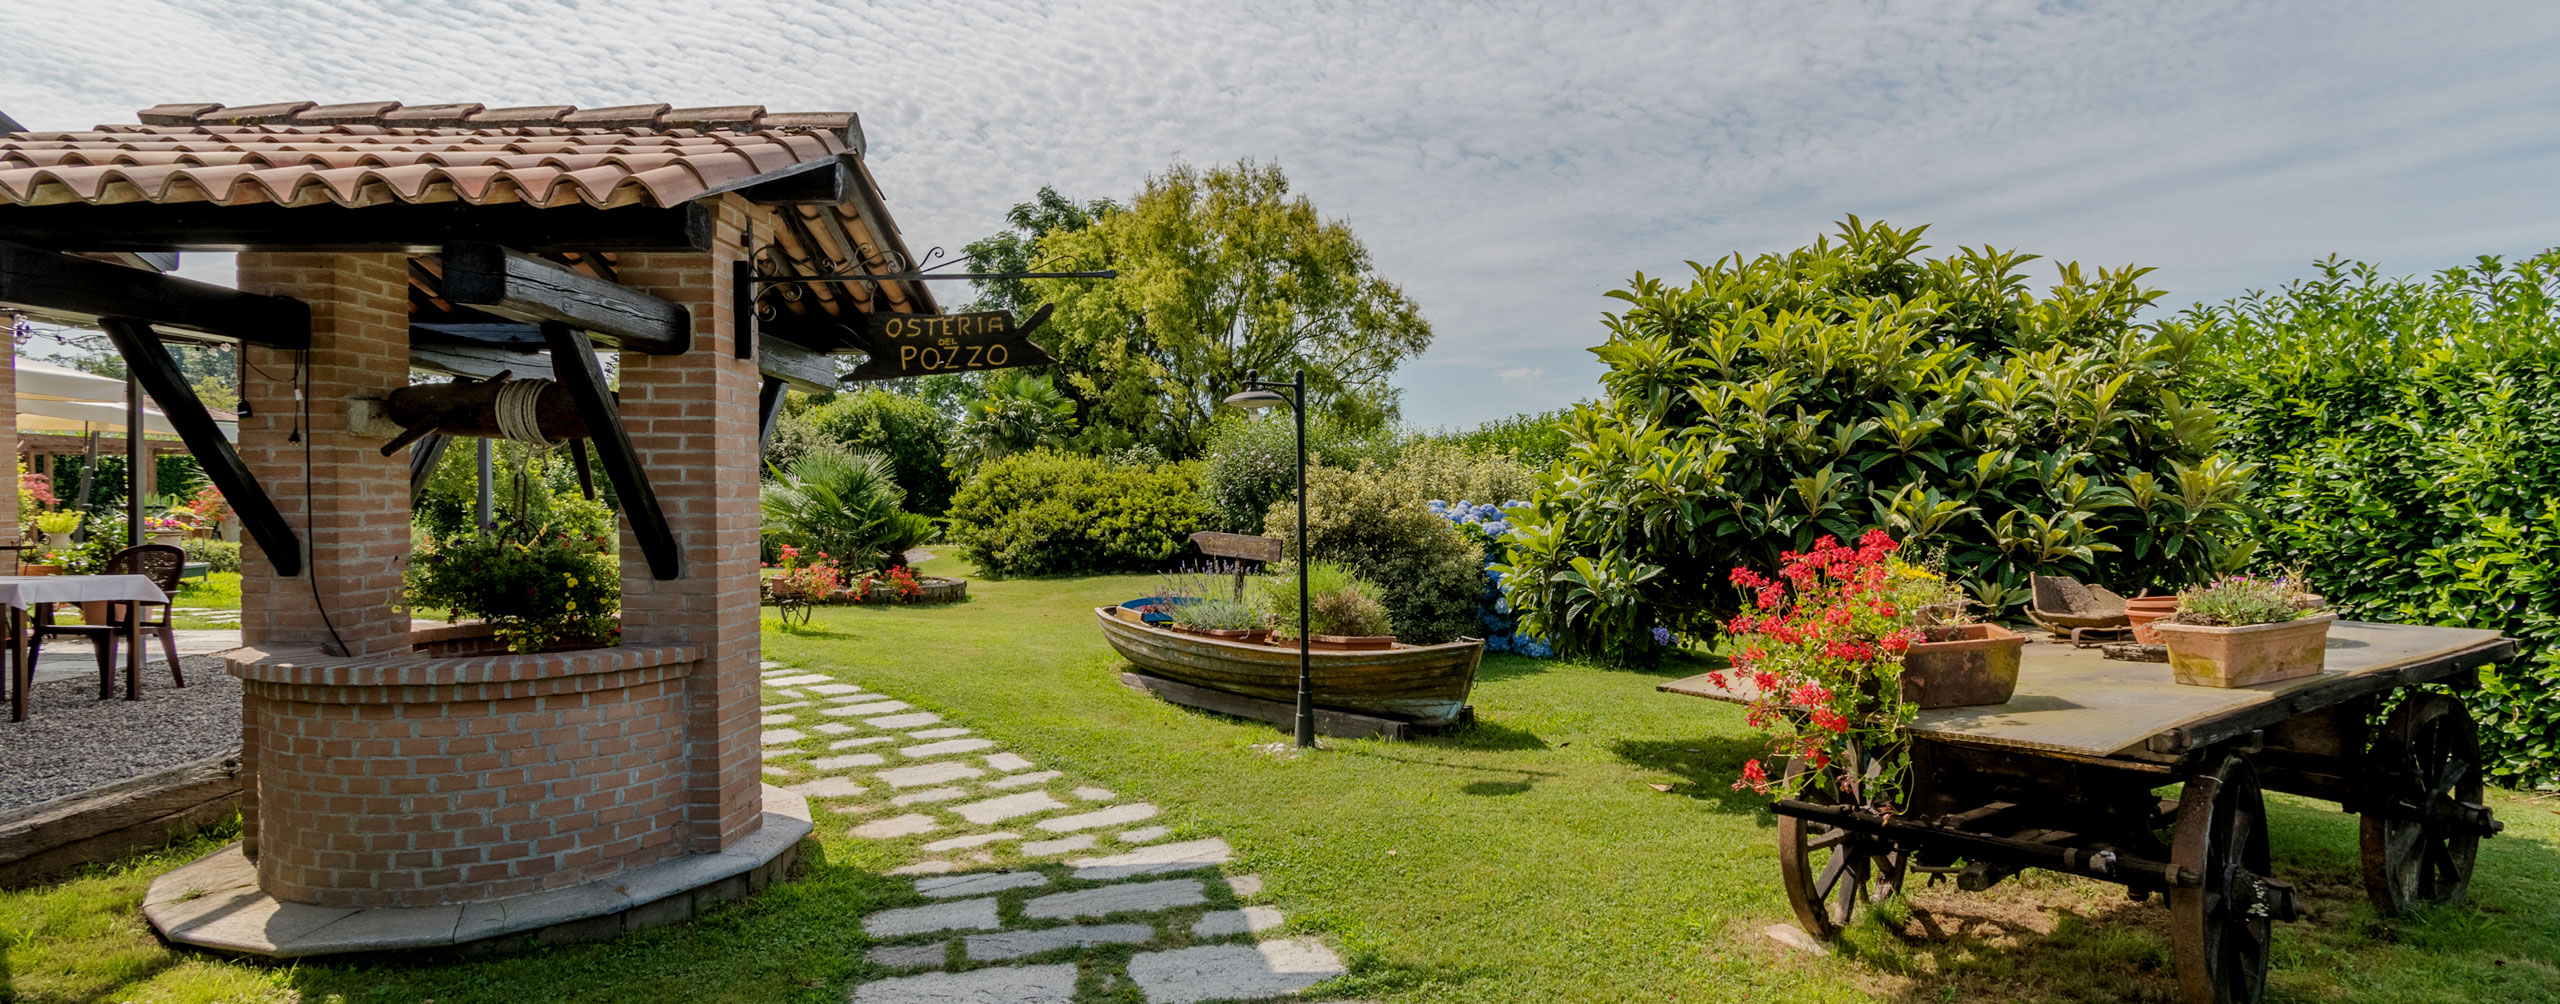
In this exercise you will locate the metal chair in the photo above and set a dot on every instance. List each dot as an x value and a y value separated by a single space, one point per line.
163 564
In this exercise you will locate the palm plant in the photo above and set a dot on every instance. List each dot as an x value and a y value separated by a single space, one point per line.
845 506
1018 412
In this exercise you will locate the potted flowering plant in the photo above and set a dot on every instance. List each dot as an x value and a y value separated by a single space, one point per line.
1954 661
1818 654
536 587
57 527
803 582
2244 630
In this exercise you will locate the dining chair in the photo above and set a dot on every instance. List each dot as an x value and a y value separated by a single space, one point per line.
163 564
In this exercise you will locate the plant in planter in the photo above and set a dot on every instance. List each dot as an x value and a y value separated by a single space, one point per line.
1342 610
1205 599
1953 661
1818 651
803 582
537 587
57 527
2244 630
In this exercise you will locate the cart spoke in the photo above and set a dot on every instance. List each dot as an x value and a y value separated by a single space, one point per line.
1827 840
1831 871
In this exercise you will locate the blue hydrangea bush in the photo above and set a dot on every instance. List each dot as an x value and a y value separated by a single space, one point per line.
1485 524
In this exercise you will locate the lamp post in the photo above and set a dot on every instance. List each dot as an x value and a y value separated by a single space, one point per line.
1257 395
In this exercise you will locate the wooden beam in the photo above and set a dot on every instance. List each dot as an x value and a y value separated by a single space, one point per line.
79 291
420 228
803 368
768 411
470 409
150 362
573 361
479 362
535 290
819 182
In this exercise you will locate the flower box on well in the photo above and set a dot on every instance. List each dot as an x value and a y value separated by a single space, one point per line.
2207 656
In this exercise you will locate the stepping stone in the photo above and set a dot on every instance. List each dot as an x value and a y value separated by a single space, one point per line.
897 826
873 708
798 679
1006 984
1093 794
859 698
771 752
777 771
827 787
937 733
925 868
1143 834
1110 899
847 760
1016 944
1218 972
911 956
958 915
1024 780
1154 860
972 840
903 721
1250 920
979 884
1112 816
777 719
948 746
767 664
1044 848
1007 807
787 705
840 728
1245 886
931 773
930 795
846 744
832 689
1006 761
778 737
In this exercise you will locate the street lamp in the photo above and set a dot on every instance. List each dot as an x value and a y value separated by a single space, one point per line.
1257 395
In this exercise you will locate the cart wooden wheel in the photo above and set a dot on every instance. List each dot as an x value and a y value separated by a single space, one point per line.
2221 925
1831 873
2419 849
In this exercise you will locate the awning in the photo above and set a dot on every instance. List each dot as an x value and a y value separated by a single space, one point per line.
56 399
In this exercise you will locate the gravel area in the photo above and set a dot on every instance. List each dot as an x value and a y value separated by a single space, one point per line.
72 741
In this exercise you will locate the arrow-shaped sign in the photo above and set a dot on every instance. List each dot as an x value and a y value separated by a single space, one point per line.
905 345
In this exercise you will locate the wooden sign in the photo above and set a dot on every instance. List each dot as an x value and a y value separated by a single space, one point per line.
905 345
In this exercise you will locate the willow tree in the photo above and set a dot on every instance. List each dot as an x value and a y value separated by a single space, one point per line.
1222 272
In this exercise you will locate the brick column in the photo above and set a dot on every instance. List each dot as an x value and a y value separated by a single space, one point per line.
355 525
692 419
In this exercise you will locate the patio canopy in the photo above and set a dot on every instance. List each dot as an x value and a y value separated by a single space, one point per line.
58 399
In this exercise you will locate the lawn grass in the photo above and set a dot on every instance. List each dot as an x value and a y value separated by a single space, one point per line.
1532 859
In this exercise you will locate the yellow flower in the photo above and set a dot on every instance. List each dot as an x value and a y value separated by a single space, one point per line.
573 580
573 604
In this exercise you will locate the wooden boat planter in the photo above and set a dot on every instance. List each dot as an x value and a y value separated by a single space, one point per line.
1400 685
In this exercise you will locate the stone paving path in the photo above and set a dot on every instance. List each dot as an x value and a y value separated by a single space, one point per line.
1031 887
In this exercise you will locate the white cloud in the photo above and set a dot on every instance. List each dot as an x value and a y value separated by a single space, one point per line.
1521 374
1510 162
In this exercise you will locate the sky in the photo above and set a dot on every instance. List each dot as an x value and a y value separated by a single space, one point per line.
1509 163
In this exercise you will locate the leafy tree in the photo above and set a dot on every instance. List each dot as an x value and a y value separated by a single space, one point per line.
1853 384
1018 411
1222 272
1017 249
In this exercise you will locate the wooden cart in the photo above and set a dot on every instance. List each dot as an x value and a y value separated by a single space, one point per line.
2063 777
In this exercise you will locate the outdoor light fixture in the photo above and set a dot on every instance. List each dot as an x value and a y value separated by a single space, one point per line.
1257 395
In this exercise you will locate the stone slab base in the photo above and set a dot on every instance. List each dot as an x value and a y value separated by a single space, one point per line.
50 839
214 902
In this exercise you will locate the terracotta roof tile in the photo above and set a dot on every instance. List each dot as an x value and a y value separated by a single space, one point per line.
357 111
431 116
619 117
177 114
282 111
536 115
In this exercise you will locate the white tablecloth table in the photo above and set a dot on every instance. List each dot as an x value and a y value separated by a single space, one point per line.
19 593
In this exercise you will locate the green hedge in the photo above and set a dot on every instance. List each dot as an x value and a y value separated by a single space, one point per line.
1049 513
2410 458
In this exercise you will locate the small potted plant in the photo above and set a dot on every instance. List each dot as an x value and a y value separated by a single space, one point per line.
802 583
1818 656
2245 630
1953 661
1203 600
57 527
1343 613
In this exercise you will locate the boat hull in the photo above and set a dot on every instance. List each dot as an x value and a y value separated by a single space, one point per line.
1422 684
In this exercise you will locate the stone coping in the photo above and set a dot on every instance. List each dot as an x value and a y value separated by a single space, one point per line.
214 901
310 666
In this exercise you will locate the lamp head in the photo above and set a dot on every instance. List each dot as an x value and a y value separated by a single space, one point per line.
1255 400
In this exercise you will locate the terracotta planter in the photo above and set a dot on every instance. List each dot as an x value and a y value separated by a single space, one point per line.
2141 611
171 537
1978 665
39 569
2202 656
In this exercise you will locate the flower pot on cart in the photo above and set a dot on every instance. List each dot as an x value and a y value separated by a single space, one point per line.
2143 613
2208 656
1964 665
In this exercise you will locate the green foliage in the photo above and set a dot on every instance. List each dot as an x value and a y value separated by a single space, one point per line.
1253 458
1853 384
2241 600
1338 602
912 435
1016 411
539 586
1374 523
2412 460
1222 272
218 555
1536 439
843 507
527 486
99 546
1453 472
1016 248
1050 513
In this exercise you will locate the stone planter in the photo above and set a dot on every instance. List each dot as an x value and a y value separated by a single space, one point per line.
173 538
475 638
1975 664
2203 656
2142 611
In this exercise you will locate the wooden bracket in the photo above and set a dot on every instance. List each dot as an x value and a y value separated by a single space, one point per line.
573 361
423 461
538 291
768 410
150 363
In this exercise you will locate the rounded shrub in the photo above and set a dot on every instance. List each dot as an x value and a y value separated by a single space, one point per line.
1048 513
1374 523
1252 462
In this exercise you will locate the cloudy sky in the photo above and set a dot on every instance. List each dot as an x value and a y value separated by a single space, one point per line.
1509 162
